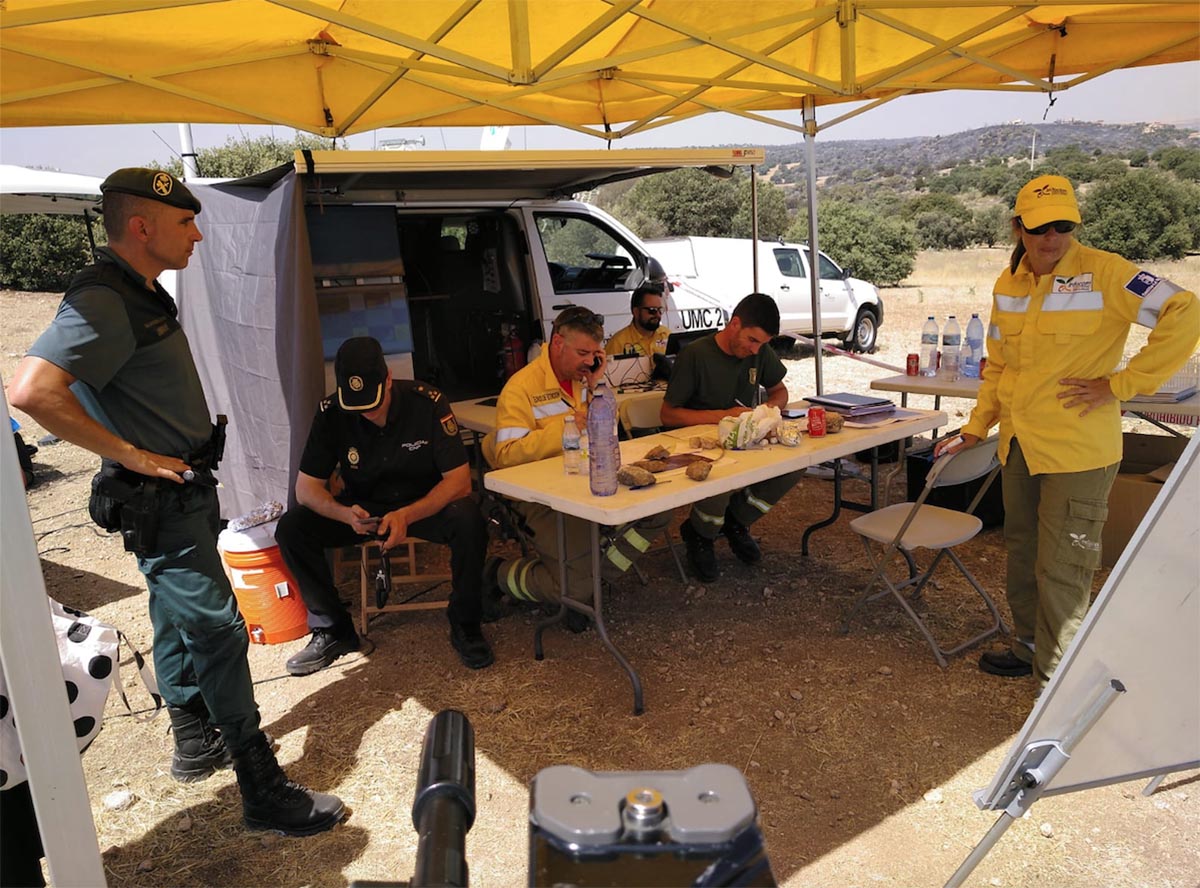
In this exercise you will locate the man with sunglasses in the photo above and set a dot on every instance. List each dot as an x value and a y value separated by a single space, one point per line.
1061 313
646 335
530 413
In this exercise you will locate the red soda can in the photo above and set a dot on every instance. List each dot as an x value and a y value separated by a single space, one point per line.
816 422
912 366
982 366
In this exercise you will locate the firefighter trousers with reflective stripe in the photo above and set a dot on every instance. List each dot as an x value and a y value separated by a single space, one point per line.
747 505
535 578
200 639
1052 525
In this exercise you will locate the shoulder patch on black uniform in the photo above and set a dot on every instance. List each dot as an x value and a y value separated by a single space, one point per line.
325 404
430 392
449 425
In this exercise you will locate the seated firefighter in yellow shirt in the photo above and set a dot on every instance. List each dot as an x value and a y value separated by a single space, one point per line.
530 414
645 335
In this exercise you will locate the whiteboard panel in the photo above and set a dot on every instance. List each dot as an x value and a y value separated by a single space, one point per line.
1143 631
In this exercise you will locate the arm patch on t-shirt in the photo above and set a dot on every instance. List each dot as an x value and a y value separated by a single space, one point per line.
1142 283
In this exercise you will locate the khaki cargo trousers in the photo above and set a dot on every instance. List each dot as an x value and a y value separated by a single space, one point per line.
1052 525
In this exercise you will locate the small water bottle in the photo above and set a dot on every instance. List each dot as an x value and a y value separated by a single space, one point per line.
974 348
929 348
604 453
572 447
951 349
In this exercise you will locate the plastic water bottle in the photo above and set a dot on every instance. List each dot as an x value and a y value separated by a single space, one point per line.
951 349
572 447
974 349
604 453
929 348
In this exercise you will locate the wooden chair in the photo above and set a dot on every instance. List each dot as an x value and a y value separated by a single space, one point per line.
405 571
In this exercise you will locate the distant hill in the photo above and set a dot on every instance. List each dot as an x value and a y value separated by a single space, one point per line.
907 157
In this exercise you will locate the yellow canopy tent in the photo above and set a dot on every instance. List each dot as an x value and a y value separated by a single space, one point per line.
609 68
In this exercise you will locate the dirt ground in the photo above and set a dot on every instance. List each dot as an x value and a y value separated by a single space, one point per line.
861 753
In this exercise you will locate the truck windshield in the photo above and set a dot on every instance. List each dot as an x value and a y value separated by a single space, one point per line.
582 255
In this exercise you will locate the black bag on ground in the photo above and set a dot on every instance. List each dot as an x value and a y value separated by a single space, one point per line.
958 496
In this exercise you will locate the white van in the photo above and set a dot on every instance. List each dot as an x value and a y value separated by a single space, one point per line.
720 268
459 261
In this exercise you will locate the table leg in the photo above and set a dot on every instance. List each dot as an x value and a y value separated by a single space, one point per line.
595 611
560 527
837 508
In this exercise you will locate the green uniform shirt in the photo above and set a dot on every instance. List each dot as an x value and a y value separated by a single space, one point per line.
706 378
124 344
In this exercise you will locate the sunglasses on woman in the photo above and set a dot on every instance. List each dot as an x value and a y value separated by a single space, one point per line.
1062 226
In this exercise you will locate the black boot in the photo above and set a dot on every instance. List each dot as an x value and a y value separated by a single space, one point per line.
271 801
740 541
700 555
199 749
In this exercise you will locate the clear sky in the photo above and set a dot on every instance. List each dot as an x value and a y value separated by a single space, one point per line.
1163 93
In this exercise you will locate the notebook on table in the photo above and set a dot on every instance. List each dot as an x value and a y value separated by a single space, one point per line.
849 404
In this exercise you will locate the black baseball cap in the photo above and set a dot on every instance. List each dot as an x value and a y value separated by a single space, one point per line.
361 374
153 185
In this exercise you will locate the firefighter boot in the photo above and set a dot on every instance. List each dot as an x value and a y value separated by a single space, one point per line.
199 749
271 801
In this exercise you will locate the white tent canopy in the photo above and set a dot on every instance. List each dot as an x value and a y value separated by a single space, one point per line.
25 190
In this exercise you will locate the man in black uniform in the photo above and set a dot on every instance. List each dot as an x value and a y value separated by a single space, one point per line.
114 374
398 453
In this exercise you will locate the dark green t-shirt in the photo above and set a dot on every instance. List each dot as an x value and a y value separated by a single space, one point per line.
706 378
123 343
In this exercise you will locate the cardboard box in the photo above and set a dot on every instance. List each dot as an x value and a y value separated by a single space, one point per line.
1145 464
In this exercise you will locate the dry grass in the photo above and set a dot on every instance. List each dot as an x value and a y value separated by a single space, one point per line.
840 737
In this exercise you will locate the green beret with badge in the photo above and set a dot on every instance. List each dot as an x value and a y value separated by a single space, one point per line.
155 185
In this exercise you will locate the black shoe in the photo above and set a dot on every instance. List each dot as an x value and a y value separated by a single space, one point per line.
325 647
740 541
200 750
271 801
577 622
473 649
1004 663
700 555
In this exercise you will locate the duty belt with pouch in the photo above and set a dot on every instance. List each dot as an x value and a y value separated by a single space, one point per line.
127 502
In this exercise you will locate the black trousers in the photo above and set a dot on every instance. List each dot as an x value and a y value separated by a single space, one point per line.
303 536
20 842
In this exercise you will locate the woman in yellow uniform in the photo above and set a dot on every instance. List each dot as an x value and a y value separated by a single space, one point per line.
1061 313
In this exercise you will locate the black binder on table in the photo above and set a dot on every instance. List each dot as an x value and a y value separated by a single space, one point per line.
849 404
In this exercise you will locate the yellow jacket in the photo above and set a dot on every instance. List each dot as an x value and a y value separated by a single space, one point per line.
1073 323
632 340
530 413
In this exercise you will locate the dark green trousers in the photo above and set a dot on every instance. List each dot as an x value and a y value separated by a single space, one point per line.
747 505
200 639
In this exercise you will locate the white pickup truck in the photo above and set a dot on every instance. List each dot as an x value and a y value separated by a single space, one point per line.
720 268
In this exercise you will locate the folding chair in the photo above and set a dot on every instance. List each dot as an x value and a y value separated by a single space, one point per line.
907 526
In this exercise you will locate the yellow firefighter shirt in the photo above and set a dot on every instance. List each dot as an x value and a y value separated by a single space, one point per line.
530 413
1073 322
631 340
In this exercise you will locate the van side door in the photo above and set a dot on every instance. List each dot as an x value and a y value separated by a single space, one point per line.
585 263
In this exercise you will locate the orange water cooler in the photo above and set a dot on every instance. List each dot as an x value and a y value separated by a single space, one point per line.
267 594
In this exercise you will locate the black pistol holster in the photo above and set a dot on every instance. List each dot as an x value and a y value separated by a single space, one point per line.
127 502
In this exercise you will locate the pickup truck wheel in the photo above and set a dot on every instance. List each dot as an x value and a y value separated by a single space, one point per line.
864 333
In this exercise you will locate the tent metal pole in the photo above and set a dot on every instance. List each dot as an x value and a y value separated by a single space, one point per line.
814 254
187 152
754 222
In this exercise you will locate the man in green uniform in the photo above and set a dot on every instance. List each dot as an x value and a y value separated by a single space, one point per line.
718 376
114 374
